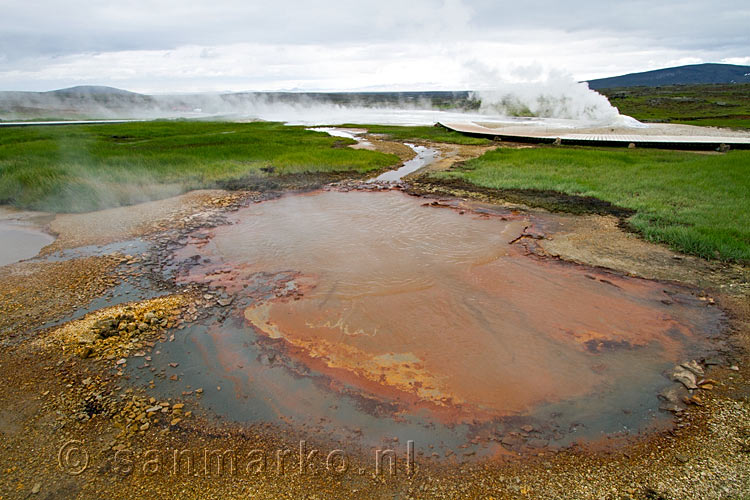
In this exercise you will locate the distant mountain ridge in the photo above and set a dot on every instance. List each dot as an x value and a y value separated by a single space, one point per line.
88 90
679 75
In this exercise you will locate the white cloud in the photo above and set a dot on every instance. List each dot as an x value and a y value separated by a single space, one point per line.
742 61
170 45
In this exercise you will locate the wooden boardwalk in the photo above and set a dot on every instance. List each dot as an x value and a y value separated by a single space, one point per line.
64 122
704 142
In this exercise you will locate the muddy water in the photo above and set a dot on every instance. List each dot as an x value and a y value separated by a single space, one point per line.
20 242
397 317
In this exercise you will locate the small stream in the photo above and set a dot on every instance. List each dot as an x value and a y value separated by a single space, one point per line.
424 155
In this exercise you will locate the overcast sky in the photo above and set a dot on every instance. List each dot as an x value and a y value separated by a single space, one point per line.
184 45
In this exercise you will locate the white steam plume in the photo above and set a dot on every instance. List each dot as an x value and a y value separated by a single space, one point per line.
541 94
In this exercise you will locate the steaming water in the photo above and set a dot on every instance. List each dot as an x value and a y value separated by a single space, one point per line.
380 312
558 103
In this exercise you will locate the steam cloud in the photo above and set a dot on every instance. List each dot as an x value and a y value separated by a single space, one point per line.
555 98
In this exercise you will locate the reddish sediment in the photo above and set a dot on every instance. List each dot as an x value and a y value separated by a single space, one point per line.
442 310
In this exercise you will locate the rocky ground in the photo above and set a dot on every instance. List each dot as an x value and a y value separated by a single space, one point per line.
74 426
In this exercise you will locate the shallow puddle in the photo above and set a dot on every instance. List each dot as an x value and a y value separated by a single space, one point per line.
394 316
21 242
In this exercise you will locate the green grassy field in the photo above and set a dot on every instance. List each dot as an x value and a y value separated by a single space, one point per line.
415 133
81 168
696 203
708 105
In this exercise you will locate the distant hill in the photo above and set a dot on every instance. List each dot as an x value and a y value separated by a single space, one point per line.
89 90
681 75
82 102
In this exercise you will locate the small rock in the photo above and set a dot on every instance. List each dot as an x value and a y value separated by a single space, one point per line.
694 367
538 443
693 400
708 381
673 394
511 441
36 488
671 407
685 377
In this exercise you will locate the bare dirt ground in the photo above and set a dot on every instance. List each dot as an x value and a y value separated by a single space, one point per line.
122 223
73 427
